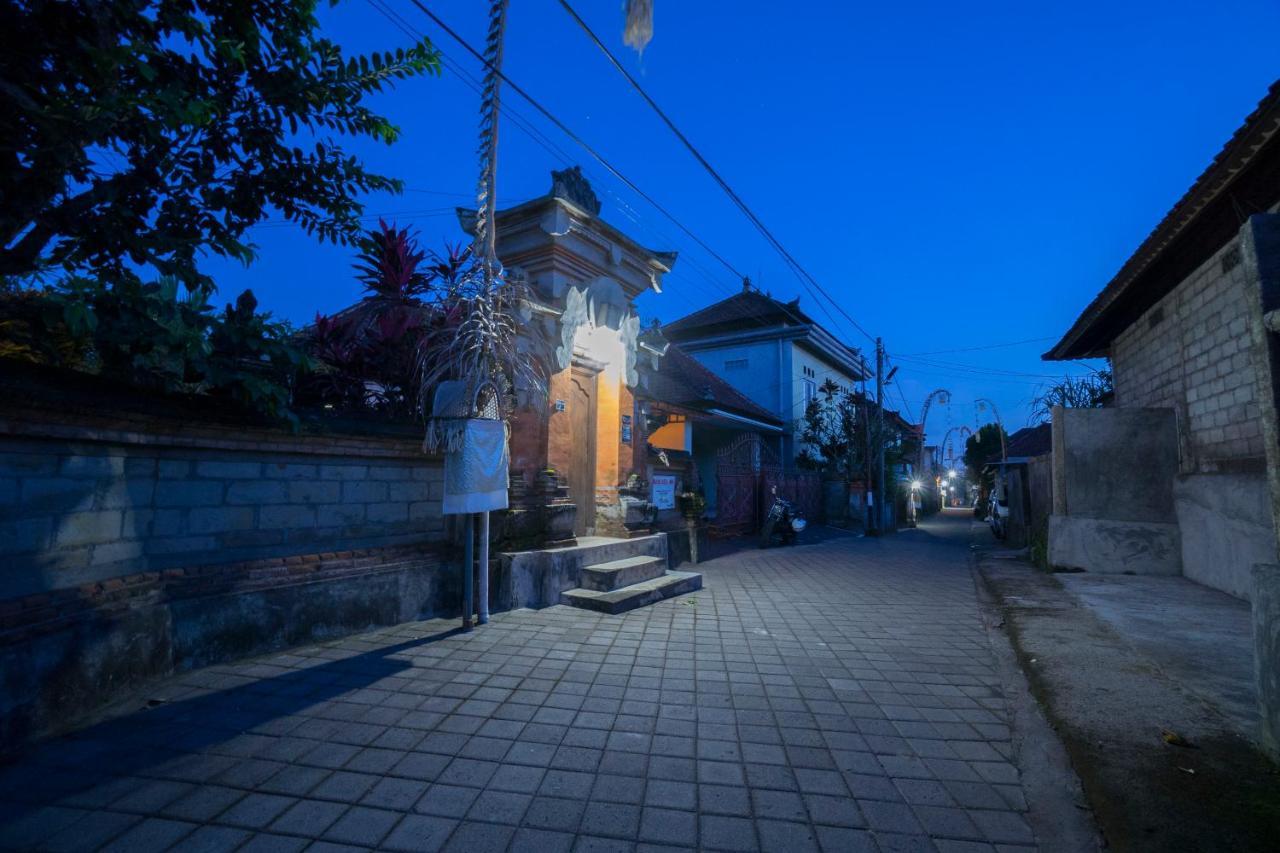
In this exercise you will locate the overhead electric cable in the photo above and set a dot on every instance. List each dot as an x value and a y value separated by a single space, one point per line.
575 137
565 129
986 347
805 278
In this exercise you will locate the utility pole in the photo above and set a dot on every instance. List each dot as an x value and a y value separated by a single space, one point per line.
868 512
880 493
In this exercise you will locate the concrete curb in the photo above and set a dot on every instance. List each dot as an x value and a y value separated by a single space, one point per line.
1058 810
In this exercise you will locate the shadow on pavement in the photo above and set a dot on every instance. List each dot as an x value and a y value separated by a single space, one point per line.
172 740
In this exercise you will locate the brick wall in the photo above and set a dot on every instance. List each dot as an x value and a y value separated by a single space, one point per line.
86 500
139 537
1190 352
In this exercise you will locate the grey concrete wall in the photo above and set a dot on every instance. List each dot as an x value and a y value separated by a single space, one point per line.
136 543
1114 547
1115 464
1112 485
82 511
1266 653
55 676
1225 521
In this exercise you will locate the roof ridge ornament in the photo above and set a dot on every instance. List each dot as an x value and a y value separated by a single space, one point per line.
572 186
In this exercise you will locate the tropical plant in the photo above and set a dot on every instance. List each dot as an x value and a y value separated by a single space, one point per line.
254 359
150 133
425 317
1073 392
831 435
981 447
35 329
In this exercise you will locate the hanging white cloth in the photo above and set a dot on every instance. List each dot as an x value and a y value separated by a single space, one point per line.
476 471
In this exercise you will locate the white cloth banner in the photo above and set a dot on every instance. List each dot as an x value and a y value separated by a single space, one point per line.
476 474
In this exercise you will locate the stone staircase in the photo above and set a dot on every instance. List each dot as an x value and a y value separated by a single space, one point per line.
619 585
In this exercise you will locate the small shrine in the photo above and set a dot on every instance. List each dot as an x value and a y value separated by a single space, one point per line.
576 445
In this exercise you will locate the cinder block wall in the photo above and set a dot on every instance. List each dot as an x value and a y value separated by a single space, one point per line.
139 540
1190 352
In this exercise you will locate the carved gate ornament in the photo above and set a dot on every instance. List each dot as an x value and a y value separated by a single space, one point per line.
747 470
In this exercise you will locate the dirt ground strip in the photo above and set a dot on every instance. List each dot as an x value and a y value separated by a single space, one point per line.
1110 703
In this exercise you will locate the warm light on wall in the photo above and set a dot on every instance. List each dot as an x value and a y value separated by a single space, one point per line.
602 344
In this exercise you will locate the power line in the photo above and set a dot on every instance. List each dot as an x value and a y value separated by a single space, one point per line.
575 137
988 346
906 407
523 124
410 30
977 369
805 278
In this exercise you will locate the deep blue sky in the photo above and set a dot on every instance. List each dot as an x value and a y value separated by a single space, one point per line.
956 175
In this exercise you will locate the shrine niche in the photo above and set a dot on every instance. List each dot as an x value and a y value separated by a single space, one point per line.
573 447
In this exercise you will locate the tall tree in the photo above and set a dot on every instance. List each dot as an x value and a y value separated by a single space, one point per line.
148 133
981 447
830 432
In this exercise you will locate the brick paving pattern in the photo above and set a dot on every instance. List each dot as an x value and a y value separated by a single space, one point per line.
838 696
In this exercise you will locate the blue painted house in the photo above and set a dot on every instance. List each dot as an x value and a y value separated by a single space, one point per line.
772 352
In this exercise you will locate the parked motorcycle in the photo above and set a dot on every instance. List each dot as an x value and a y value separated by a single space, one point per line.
998 512
783 524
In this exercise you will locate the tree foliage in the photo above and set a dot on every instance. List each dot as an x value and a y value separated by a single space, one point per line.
370 356
148 133
153 336
1073 392
831 433
981 447
840 427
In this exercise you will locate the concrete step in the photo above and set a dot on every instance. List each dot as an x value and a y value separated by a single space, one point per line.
606 577
635 595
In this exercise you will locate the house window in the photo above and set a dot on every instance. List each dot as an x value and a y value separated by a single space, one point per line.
810 391
809 372
736 364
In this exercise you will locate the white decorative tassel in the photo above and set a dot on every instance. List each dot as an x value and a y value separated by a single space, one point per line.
639 27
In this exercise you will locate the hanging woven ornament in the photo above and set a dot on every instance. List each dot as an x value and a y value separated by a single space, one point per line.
638 31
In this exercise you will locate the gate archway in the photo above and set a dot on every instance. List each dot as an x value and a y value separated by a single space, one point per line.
747 471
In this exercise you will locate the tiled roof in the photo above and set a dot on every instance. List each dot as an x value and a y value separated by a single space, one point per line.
748 308
681 380
1030 441
1241 180
1026 443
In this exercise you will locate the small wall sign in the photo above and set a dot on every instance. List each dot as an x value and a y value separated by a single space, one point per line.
626 429
663 491
559 405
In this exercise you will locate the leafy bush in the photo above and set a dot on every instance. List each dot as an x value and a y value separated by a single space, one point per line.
147 335
370 356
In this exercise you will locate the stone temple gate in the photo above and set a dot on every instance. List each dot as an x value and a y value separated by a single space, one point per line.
574 447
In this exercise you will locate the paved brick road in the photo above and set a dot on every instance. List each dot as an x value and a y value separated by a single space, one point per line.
837 696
